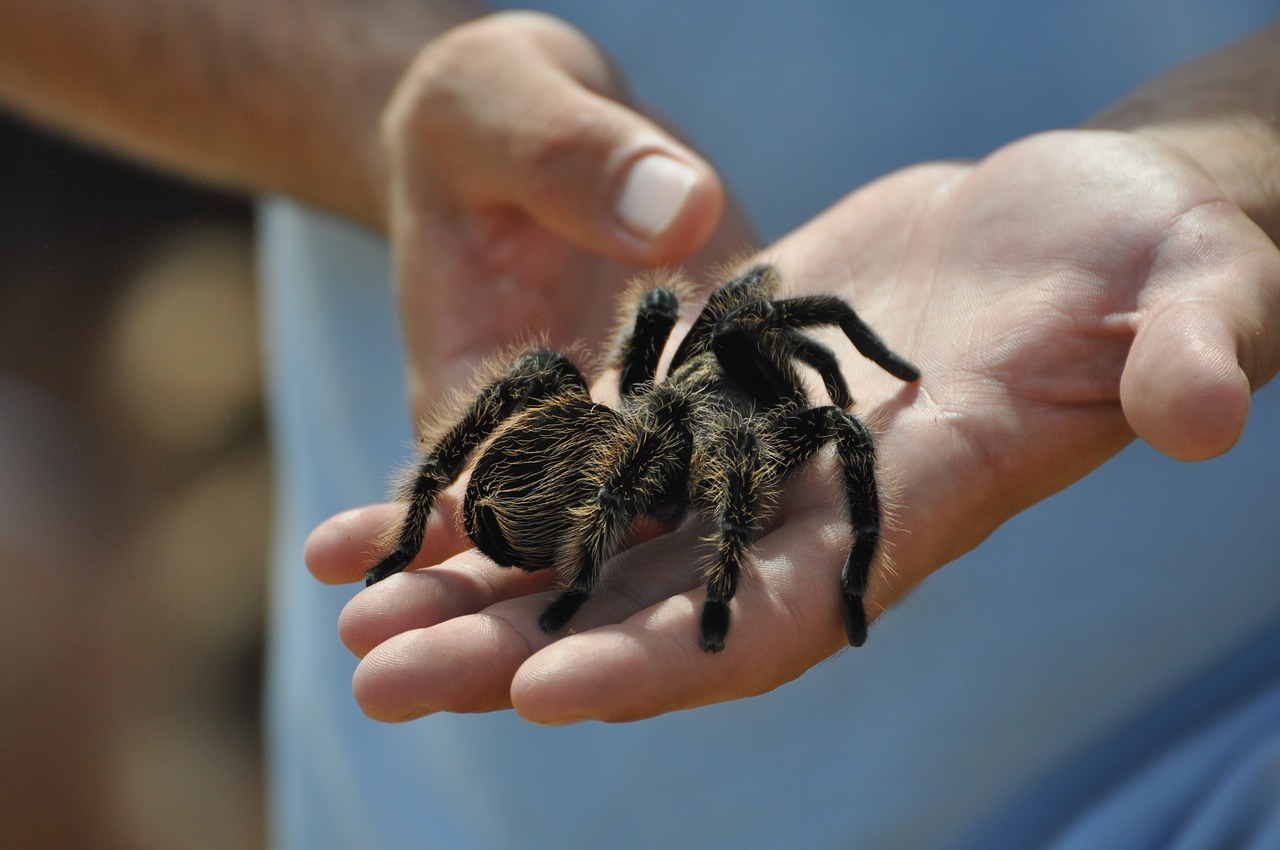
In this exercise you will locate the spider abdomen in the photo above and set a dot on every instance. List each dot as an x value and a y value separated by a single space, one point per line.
527 481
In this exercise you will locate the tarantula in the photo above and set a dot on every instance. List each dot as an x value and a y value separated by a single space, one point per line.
558 479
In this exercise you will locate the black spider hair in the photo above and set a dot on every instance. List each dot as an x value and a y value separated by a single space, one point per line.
557 479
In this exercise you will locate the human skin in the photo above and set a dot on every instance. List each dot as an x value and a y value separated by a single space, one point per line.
277 97
1156 307
1134 295
1063 295
517 163
499 169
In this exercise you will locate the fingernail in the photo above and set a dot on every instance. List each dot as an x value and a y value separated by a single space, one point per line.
654 194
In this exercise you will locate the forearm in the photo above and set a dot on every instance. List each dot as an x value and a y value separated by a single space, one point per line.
283 96
1224 110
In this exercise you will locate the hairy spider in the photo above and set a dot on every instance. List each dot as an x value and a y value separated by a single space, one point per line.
559 479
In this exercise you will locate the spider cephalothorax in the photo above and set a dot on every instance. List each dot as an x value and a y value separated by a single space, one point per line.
558 479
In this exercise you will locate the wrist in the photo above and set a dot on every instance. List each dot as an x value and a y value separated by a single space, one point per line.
1222 110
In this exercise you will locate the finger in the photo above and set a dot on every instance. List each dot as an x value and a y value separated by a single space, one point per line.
448 638
419 599
1210 338
475 636
518 110
452 638
786 618
652 664
463 665
342 548
1183 389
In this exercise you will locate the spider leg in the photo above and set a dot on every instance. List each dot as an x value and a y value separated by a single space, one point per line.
532 376
760 363
811 310
756 283
639 351
741 484
648 468
822 360
755 347
800 435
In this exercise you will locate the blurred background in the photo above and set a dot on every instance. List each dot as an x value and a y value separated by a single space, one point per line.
134 507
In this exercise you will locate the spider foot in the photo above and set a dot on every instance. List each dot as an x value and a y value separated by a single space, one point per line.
561 610
388 566
855 619
715 625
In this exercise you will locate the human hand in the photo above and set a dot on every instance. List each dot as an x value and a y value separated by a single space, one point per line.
525 190
1067 292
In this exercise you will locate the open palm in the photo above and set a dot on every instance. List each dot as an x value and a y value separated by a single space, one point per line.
1064 293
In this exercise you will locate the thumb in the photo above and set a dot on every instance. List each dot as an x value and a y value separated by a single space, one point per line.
1183 389
1211 338
519 111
